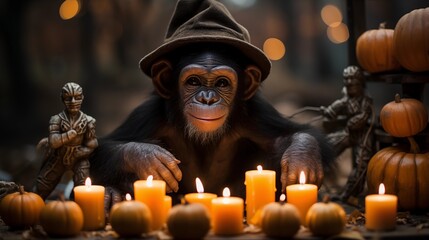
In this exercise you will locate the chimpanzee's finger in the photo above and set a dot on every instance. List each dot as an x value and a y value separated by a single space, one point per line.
168 177
170 162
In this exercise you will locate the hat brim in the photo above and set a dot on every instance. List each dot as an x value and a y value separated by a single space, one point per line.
253 53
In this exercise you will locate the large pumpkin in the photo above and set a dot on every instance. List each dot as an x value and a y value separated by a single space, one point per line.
403 173
374 50
404 117
61 218
411 40
21 209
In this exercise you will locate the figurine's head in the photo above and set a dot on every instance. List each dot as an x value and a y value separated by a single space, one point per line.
72 96
353 81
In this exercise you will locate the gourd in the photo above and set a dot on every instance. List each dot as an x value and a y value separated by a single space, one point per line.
326 218
130 218
410 40
280 220
188 221
21 209
403 117
61 218
374 50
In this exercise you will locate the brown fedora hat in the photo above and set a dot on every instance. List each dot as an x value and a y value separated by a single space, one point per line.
205 21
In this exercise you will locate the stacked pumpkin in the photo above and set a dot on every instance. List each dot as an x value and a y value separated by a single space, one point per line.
403 170
382 49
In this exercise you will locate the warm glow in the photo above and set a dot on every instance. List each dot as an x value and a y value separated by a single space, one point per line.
88 182
226 192
302 178
149 180
282 197
200 187
69 9
128 197
381 189
259 167
331 15
274 48
338 34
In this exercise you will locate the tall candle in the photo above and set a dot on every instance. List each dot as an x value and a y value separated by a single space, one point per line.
90 198
260 189
200 196
227 214
380 210
152 193
302 195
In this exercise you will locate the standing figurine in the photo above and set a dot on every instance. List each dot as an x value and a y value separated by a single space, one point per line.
70 142
357 107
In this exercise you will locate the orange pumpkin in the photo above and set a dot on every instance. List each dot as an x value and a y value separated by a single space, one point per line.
403 173
403 117
411 40
374 50
61 218
21 209
326 218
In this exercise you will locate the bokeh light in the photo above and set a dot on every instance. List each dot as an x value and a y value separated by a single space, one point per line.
69 9
274 48
331 15
338 34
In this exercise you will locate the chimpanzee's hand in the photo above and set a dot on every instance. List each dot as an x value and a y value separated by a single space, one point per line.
146 159
303 154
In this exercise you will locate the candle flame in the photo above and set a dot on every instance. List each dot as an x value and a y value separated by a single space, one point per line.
302 178
282 197
149 180
226 192
381 189
128 197
259 167
88 182
200 187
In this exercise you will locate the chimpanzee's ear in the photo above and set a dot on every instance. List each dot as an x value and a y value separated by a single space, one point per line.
161 72
252 81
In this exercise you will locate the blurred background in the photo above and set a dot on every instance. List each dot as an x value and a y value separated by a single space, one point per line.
98 44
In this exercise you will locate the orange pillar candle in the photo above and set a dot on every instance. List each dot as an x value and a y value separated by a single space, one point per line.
302 195
152 192
227 214
260 189
200 196
167 207
380 210
90 198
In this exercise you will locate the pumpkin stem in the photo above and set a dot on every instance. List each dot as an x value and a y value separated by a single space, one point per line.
326 198
382 25
21 189
397 98
62 198
414 146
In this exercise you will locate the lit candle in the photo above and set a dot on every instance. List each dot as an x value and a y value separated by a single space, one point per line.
302 195
200 196
380 210
260 189
227 214
90 198
152 192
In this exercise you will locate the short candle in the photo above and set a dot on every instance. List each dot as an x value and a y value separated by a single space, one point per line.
302 195
260 189
152 192
90 198
380 210
227 214
200 196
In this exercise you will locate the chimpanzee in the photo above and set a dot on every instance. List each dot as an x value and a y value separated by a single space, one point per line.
206 117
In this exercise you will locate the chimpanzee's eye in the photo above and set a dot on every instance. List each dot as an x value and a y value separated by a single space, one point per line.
193 81
222 82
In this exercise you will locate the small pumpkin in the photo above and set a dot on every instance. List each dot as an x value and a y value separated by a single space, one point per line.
188 221
280 220
403 117
404 174
410 40
130 218
326 218
61 218
21 209
374 50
